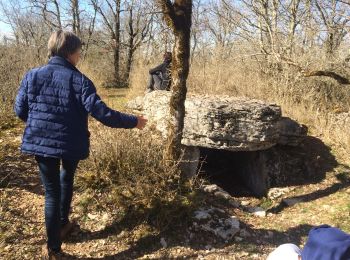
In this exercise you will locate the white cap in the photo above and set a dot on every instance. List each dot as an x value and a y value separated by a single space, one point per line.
285 252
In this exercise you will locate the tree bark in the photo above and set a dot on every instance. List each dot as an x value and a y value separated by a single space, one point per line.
131 44
117 42
76 17
178 16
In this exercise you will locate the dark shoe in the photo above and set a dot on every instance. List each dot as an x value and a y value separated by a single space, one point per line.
67 229
48 254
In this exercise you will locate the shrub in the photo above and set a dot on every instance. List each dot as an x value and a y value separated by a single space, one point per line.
129 165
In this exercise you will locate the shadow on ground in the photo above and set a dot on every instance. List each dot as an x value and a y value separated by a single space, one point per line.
302 165
284 166
343 183
259 239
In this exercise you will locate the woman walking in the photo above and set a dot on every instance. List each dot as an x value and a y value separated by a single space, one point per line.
55 101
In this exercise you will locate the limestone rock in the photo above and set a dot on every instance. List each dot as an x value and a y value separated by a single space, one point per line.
221 194
217 122
190 161
291 132
215 221
275 193
259 142
257 211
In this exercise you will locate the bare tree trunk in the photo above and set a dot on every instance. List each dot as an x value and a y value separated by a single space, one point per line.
293 24
48 14
58 14
113 26
179 18
139 26
117 42
131 44
91 30
335 24
76 17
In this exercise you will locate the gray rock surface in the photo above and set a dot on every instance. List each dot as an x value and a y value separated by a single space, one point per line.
220 193
257 211
217 122
249 129
215 221
291 132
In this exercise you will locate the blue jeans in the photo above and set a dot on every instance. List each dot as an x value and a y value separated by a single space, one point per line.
58 184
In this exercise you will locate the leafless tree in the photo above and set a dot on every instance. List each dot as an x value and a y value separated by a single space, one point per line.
140 18
50 11
110 11
75 11
28 29
334 16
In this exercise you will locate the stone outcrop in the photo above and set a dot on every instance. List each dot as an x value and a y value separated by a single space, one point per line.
291 132
233 136
217 222
217 122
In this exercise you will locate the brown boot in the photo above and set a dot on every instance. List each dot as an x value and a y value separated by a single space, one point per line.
67 229
48 254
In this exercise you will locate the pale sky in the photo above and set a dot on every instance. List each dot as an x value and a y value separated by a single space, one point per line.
5 29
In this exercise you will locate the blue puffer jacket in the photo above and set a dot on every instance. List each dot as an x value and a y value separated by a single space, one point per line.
54 101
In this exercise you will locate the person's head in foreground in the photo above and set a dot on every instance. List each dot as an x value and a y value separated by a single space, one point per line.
66 45
327 243
324 243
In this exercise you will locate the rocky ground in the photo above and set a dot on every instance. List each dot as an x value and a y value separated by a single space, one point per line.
228 226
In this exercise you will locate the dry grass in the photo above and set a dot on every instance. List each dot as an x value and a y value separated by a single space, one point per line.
320 103
4 226
129 165
14 62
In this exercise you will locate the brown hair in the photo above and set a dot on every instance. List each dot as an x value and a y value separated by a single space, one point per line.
63 43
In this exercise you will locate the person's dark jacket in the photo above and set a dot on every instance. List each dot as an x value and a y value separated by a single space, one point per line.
163 71
54 101
163 68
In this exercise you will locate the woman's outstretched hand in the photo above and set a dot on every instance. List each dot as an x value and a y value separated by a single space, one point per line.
141 122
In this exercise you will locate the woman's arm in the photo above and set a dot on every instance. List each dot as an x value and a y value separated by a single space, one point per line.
21 107
100 111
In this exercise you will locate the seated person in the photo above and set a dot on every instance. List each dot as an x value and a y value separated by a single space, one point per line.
160 76
324 243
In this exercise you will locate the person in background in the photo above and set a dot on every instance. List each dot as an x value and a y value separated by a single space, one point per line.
54 101
324 243
160 76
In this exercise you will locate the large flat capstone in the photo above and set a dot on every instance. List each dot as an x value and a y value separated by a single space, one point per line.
217 122
231 136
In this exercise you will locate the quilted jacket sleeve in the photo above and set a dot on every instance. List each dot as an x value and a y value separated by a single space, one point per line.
21 103
100 111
